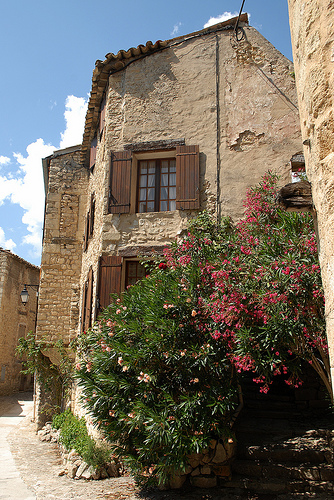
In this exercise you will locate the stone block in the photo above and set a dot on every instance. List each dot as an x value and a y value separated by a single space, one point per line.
81 469
177 481
204 482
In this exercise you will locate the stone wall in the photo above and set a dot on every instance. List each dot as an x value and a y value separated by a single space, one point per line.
58 310
237 101
312 30
15 318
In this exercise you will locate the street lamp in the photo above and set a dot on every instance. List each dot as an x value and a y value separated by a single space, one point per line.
25 293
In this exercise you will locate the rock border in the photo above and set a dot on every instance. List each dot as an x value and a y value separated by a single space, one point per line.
73 464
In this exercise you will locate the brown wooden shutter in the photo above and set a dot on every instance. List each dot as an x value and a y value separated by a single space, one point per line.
92 215
87 301
92 157
187 177
86 235
110 275
102 114
120 180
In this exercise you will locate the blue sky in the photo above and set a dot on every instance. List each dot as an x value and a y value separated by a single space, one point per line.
48 53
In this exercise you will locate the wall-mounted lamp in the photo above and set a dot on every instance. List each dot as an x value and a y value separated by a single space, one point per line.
25 293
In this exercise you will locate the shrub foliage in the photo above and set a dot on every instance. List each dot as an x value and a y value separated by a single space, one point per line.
159 371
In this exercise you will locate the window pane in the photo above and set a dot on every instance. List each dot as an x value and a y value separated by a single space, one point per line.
172 205
143 180
142 207
142 194
151 180
164 206
172 179
172 165
150 206
164 165
140 271
164 180
172 193
143 167
164 193
151 194
132 269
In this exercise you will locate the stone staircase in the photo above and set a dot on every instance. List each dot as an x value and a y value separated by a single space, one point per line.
285 443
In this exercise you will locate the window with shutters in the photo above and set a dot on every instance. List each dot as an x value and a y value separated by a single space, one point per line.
154 181
115 275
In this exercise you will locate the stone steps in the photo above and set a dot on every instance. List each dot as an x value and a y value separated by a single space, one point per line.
285 445
275 487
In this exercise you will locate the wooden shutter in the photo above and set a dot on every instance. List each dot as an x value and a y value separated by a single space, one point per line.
120 180
92 215
92 157
102 114
187 177
86 235
87 301
110 275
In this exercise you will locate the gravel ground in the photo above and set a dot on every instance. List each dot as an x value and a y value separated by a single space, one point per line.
39 464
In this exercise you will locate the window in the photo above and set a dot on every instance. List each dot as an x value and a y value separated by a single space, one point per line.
134 272
116 273
297 167
156 185
162 180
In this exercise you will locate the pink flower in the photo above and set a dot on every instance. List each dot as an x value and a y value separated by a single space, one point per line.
162 266
118 311
193 313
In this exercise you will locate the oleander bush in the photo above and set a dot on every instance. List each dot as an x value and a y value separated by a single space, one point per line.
160 370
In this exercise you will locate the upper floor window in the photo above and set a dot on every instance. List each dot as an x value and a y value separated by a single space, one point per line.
297 163
154 181
156 185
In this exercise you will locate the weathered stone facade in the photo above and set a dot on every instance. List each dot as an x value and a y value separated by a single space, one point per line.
16 319
312 30
230 105
66 193
236 101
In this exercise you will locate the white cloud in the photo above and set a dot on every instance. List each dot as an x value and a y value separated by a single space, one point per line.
220 19
4 160
75 112
176 29
6 244
25 187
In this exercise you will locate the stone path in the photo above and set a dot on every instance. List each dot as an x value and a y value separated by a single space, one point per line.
29 469
12 412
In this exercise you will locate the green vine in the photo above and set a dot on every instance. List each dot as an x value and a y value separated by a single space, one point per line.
54 378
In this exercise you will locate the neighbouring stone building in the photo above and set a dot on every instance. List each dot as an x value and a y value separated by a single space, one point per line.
16 319
312 31
172 128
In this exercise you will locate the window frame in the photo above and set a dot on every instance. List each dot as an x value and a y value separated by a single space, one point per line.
157 187
136 158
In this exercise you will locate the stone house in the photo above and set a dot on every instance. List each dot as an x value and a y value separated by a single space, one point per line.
172 128
16 319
